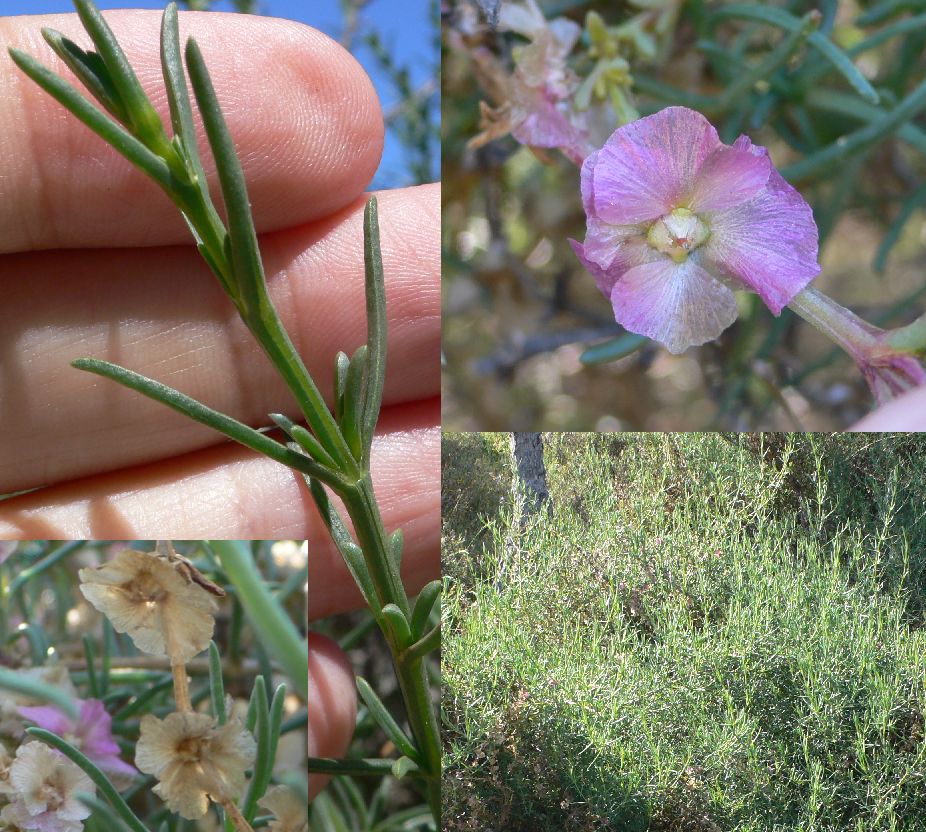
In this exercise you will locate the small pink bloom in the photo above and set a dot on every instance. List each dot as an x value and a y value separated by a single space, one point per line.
541 89
677 220
92 734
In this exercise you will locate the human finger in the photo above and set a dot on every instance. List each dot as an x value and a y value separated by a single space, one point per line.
230 492
160 313
906 413
303 114
332 704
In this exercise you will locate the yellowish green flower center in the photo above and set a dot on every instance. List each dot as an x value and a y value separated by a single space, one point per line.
678 234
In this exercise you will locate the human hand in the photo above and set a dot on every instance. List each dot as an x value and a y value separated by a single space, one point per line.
332 689
95 261
907 413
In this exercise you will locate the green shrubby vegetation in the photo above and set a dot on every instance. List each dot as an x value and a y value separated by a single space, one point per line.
708 632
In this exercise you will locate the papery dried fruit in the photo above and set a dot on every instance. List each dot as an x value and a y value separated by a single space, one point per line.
194 759
154 602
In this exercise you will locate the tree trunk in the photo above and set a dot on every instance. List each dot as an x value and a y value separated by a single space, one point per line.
529 483
528 491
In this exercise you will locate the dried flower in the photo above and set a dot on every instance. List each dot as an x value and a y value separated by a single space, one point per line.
46 784
193 759
91 733
150 598
677 220
6 760
290 810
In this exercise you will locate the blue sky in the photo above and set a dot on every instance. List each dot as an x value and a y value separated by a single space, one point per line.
403 26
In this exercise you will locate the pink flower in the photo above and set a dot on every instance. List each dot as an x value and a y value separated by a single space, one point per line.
677 220
542 86
92 734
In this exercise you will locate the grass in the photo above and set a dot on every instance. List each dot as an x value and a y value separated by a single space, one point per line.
708 632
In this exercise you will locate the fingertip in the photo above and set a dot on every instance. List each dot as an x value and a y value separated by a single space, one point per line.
332 704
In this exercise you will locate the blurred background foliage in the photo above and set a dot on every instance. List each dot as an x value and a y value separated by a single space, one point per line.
835 90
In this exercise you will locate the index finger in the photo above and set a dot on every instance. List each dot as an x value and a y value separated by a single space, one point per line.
302 113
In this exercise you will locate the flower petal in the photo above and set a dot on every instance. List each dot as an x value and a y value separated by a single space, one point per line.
769 243
646 167
607 254
678 304
49 718
729 176
537 121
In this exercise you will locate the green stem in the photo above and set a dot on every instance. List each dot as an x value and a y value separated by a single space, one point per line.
839 324
363 509
271 623
909 338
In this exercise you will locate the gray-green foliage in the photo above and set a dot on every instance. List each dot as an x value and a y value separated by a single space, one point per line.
710 633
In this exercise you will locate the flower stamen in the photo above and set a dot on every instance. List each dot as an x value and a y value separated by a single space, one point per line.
678 233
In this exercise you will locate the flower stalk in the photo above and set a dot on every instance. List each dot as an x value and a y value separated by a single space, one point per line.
884 357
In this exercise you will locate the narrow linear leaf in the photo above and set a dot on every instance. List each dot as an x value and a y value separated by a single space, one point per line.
46 563
376 328
403 766
385 721
37 690
142 117
353 800
109 644
90 69
94 118
277 704
341 364
216 266
396 544
90 658
273 627
832 101
38 643
143 700
423 606
612 350
178 99
430 641
861 138
882 11
772 62
252 298
259 723
375 767
216 684
353 400
778 17
900 27
907 210
199 412
99 779
350 551
304 439
399 624
113 822
245 253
